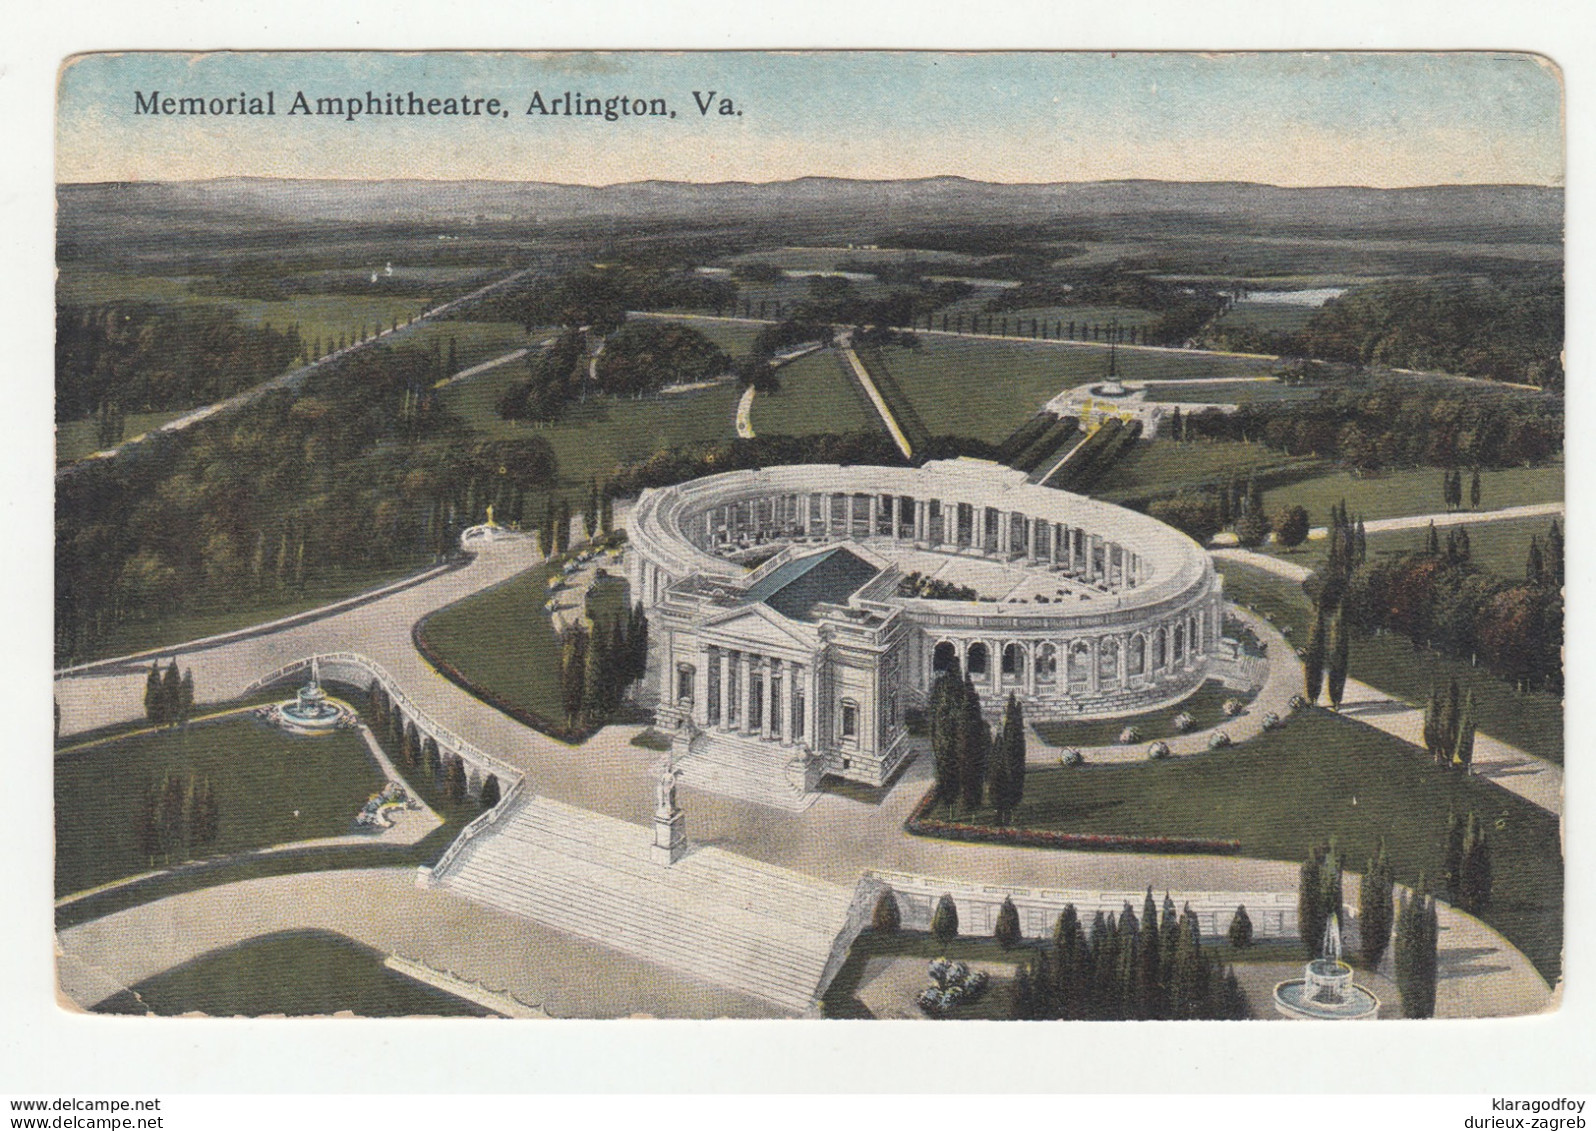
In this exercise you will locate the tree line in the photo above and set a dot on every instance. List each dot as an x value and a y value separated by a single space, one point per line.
446 773
176 816
972 765
360 469
598 664
168 697
145 357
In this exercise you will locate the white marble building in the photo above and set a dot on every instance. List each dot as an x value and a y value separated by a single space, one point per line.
786 634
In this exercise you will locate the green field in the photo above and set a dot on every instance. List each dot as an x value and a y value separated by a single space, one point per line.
474 342
816 397
1204 706
1500 547
1162 467
272 788
1284 317
1233 392
827 258
504 643
1292 788
294 973
1532 721
1412 492
78 438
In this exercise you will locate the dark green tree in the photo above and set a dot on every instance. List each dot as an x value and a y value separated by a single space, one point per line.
1291 527
573 667
171 695
1474 491
1452 859
945 920
454 779
1240 933
886 918
1475 887
1313 660
490 795
1336 681
185 697
152 696
1417 933
1007 928
1375 908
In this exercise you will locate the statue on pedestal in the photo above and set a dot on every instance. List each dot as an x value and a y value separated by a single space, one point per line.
670 824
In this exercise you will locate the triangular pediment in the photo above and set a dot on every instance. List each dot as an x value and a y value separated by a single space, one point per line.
757 626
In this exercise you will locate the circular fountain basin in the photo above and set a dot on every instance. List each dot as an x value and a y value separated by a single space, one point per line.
1326 992
310 712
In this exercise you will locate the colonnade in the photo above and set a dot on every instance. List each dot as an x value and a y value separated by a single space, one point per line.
1079 664
950 525
757 696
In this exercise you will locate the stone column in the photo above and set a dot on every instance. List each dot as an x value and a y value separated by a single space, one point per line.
922 521
825 513
794 684
875 515
1124 662
725 689
811 707
768 715
1005 534
1052 545
1092 682
745 689
778 708
701 688
809 514
1030 538
1029 650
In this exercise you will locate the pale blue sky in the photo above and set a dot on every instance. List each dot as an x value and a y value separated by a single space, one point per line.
1291 119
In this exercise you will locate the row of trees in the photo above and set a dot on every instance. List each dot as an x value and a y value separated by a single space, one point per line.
1126 968
168 696
1466 871
145 357
1443 601
176 816
421 754
971 765
361 470
1449 726
1376 424
597 666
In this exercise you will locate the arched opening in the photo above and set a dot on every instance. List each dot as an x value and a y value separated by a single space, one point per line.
1160 650
1013 663
945 658
976 660
1192 635
1108 660
1079 661
1180 643
1136 656
1046 663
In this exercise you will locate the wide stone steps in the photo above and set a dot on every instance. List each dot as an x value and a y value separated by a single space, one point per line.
749 770
729 921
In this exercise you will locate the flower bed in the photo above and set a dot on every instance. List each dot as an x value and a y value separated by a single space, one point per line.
919 824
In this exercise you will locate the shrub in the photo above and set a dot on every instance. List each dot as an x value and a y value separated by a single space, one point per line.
1240 933
1158 750
1298 702
1130 736
1270 720
1007 928
1183 723
1218 740
1071 757
886 918
945 920
1233 707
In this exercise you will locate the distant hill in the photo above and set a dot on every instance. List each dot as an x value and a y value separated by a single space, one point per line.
246 200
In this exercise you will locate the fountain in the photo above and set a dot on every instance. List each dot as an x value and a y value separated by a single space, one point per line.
311 711
1326 991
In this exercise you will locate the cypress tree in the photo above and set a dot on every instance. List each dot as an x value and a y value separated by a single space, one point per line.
1313 662
455 783
172 814
1452 865
886 918
1553 561
945 920
1475 894
1535 566
1463 748
1337 681
1007 929
171 695
491 794
434 766
147 823
1432 542
1240 933
1375 908
152 696
573 664
1416 936
1474 491
185 696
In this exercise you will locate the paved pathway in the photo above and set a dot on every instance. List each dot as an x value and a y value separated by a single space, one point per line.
1450 518
494 363
867 383
1537 780
745 414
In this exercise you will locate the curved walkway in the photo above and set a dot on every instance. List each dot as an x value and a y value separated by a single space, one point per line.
745 414
1274 697
1535 779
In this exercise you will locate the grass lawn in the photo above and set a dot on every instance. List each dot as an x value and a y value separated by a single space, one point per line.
597 435
1204 706
1289 789
474 342
272 788
1532 721
736 338
208 617
1234 392
503 641
297 973
1286 317
1161 467
1416 491
75 439
816 396
1500 547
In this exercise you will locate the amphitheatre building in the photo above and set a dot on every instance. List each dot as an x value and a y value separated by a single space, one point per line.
797 613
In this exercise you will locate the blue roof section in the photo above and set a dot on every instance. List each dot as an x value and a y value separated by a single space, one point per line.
794 588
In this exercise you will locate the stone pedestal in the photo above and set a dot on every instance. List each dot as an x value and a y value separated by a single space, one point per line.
670 838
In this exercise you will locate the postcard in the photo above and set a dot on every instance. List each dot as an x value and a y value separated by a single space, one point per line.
1038 536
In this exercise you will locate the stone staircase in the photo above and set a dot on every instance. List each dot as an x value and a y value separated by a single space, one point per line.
747 769
754 928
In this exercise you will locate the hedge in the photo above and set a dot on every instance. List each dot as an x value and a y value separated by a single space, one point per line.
919 824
